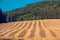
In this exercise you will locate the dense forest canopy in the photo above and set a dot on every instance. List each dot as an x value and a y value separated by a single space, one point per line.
35 11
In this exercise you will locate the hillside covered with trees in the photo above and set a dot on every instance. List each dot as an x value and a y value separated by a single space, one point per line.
35 11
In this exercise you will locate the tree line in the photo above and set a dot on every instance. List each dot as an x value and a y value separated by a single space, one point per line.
33 16
2 17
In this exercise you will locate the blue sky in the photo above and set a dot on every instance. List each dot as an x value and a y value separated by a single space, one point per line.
7 5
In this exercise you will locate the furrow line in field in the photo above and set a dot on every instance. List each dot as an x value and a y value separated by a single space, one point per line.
33 30
9 27
53 30
18 32
13 31
2 34
47 32
24 31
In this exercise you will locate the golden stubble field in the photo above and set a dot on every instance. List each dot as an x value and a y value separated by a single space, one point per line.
31 30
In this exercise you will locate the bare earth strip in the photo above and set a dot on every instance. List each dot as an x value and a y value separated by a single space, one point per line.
31 30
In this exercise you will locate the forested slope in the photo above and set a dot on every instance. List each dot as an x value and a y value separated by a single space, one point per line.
35 11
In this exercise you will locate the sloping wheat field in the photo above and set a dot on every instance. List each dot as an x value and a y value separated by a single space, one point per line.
31 30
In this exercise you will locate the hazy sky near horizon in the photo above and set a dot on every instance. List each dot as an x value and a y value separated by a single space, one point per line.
7 5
